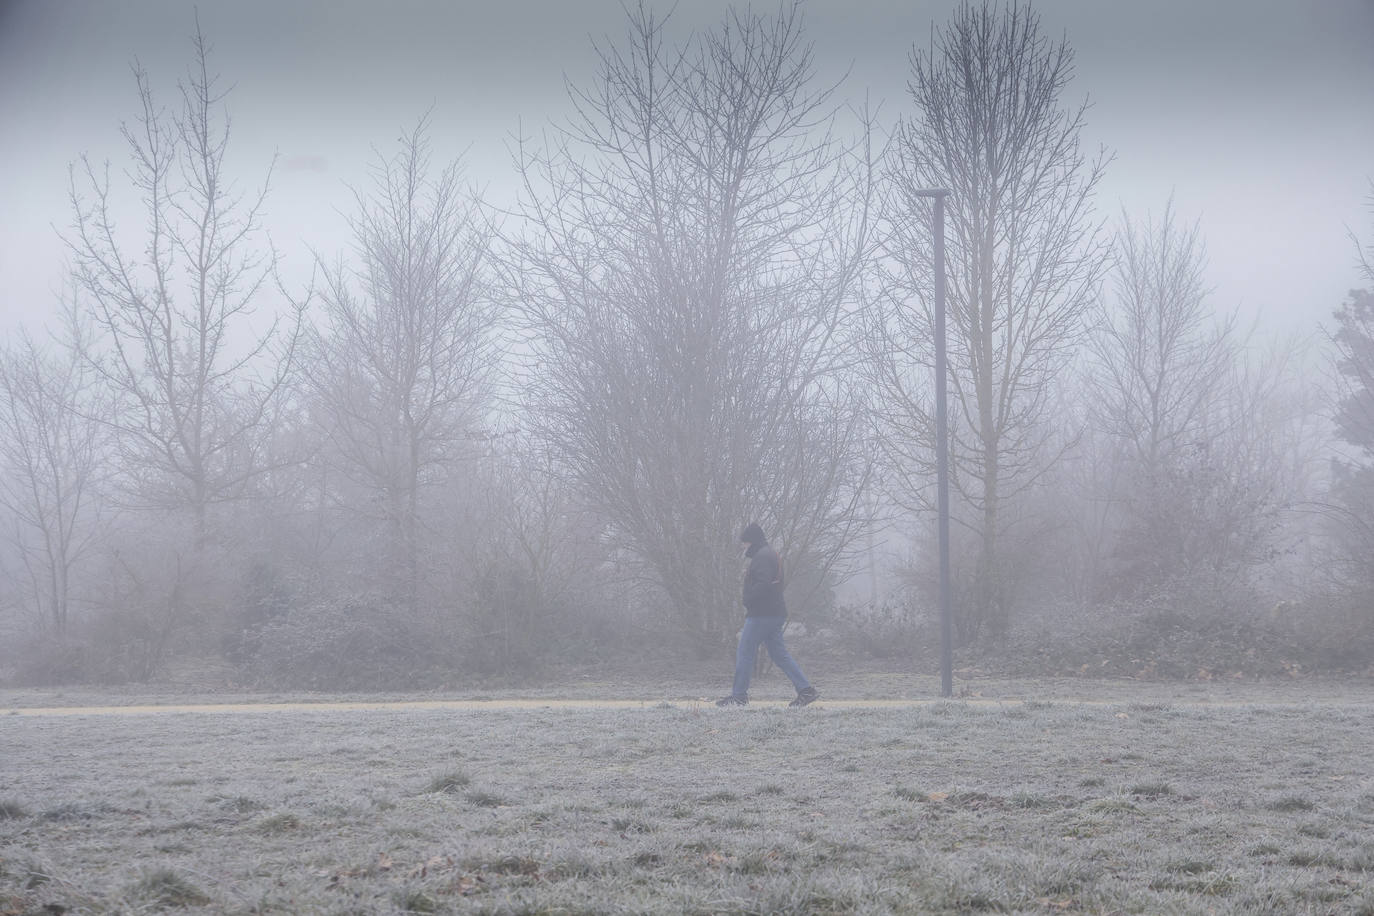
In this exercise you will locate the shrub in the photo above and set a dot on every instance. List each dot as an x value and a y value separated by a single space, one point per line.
351 642
118 646
889 630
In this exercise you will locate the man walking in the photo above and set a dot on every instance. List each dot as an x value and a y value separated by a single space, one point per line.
765 616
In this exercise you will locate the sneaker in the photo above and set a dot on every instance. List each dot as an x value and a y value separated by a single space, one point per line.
733 700
808 695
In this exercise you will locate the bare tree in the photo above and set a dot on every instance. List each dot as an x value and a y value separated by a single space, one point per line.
175 314
1158 359
52 452
1025 262
1159 368
1215 529
1354 342
1364 254
402 371
527 559
1351 507
692 241
1208 441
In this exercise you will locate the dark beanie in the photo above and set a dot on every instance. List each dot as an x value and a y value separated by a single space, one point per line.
752 534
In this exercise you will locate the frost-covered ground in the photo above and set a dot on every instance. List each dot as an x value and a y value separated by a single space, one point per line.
1152 806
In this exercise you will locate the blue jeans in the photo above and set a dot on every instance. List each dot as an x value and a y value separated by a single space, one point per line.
765 631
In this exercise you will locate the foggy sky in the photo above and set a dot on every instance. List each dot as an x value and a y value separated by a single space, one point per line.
1257 115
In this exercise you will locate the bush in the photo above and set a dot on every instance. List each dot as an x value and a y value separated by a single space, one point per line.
1159 644
115 647
46 662
1337 629
351 642
888 630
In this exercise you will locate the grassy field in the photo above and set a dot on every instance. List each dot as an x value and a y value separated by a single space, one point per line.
1168 805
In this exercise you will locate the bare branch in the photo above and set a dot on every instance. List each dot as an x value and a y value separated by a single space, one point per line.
198 392
689 258
1025 259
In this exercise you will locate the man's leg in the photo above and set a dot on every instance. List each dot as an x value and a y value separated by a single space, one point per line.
749 639
784 660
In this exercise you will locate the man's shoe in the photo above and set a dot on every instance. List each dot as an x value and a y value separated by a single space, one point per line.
733 700
808 695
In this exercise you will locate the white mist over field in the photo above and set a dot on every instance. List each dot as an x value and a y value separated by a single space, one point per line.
373 346
1254 116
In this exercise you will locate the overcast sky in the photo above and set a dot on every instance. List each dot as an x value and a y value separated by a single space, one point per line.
1256 115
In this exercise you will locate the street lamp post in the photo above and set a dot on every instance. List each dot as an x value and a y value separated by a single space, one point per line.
942 444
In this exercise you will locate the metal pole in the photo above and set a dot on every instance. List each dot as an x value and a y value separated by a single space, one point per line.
942 445
942 453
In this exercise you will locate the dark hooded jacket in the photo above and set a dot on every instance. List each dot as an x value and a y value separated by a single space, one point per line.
763 581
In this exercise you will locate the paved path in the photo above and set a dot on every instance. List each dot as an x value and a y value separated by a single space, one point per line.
509 704
458 705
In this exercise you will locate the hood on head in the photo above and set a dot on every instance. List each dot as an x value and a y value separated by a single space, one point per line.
752 534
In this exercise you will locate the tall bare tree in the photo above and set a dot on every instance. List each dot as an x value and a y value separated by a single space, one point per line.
175 314
1158 358
1025 261
402 369
1159 369
1351 508
691 243
1208 440
53 440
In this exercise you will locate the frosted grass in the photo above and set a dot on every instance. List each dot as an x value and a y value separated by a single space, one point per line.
681 808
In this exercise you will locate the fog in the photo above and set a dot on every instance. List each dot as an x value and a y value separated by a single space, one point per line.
460 349
1252 114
